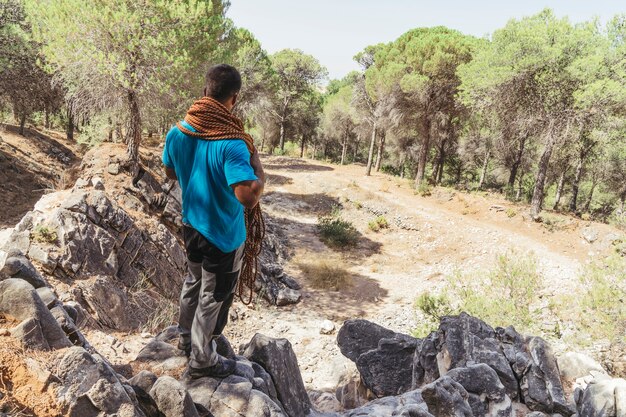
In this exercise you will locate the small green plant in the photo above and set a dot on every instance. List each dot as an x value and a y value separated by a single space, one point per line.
585 216
336 232
511 212
326 274
551 222
358 205
44 234
423 189
433 308
378 223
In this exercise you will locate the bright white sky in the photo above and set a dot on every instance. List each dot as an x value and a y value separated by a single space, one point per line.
335 30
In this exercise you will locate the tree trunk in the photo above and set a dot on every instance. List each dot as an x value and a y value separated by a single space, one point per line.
520 186
590 197
69 133
438 168
22 123
483 172
302 142
517 163
46 119
356 148
370 155
559 190
282 134
576 183
133 134
344 147
262 142
381 150
542 170
422 159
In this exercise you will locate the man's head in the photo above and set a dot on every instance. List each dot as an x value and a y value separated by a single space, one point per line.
223 83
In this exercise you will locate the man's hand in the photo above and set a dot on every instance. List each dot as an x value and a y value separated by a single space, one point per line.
249 192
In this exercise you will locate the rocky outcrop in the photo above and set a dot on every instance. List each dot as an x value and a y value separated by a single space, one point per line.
604 396
465 368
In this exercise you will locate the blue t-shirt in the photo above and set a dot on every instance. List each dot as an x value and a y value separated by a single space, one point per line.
206 169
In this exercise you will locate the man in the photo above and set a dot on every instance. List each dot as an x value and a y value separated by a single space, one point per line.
210 156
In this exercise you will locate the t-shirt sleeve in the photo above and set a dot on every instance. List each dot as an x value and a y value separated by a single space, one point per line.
166 158
237 167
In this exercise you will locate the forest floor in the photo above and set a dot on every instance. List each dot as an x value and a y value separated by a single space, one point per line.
428 239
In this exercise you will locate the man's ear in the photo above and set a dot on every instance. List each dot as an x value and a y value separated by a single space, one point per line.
204 92
235 96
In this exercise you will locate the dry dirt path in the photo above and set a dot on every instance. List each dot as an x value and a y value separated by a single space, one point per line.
429 238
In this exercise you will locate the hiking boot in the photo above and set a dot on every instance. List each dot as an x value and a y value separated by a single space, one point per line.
185 348
223 368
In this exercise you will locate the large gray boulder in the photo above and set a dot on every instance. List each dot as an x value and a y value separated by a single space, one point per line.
16 265
277 357
359 336
172 399
603 397
486 394
537 371
447 398
19 300
387 370
233 396
90 387
409 404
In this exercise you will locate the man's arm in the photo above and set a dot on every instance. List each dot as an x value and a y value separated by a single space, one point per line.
170 173
249 192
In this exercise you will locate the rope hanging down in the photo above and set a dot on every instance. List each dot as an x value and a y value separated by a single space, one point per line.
213 121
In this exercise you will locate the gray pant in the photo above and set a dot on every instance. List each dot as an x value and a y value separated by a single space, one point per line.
206 297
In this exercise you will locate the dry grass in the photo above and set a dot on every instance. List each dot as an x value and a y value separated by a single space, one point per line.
326 273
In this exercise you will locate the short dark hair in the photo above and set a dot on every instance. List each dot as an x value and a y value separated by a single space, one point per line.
222 82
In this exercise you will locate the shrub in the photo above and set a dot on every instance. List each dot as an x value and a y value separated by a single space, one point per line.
598 310
433 308
423 189
44 234
336 232
502 297
358 205
378 223
326 274
551 222
510 212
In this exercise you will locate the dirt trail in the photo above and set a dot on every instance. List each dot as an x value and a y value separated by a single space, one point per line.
428 239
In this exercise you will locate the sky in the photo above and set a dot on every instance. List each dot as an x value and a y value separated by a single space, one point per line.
334 31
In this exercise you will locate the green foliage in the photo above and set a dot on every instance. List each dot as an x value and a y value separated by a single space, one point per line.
378 223
552 222
510 212
336 232
291 149
598 311
44 234
423 189
433 307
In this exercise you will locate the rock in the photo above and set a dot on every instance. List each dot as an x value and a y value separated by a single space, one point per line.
18 266
233 396
172 398
324 401
287 296
4 332
351 392
486 394
408 404
96 182
387 370
18 299
589 234
68 326
327 327
109 303
113 168
425 367
574 365
142 384
276 356
224 348
89 387
446 398
603 397
30 334
541 385
161 356
359 336
47 296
